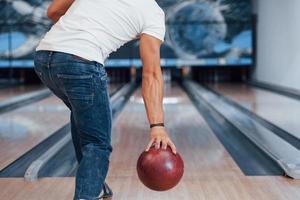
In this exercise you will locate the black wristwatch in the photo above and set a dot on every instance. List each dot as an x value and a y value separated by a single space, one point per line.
157 125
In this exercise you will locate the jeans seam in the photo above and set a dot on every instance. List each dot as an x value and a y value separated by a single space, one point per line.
108 112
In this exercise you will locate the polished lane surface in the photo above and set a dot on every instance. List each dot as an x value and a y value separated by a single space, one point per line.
24 128
9 92
278 109
210 172
205 158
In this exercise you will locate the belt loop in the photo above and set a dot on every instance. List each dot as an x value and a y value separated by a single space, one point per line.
49 58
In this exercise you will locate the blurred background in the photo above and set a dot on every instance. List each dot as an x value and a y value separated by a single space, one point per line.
205 34
219 39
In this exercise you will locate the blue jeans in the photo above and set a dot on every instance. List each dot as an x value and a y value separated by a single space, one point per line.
82 86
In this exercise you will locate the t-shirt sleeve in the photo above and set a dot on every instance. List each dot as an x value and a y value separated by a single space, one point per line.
154 25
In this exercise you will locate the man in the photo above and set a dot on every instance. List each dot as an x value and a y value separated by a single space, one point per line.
70 59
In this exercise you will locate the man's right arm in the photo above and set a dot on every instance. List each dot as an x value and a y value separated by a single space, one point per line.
153 91
58 8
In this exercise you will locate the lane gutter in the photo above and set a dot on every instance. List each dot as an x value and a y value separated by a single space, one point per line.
282 152
23 100
118 100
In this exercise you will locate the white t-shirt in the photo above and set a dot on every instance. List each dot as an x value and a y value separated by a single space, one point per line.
92 29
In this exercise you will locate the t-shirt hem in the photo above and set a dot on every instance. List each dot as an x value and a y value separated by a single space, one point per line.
65 50
156 35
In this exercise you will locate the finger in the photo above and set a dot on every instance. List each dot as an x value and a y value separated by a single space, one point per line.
157 143
164 144
149 145
173 147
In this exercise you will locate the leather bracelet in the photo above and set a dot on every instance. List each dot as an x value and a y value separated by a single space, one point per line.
155 125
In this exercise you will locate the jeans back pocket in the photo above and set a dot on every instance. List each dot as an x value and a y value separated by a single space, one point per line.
79 89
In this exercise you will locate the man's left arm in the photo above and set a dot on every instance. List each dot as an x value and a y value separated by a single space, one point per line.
58 8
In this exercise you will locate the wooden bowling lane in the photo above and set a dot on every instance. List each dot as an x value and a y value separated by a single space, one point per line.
6 93
280 110
24 128
210 172
252 188
201 151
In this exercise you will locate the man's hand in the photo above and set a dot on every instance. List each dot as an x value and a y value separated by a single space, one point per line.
160 139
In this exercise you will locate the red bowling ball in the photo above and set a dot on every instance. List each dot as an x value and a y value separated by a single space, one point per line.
160 169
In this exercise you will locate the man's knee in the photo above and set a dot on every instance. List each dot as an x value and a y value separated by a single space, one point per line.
96 143
97 148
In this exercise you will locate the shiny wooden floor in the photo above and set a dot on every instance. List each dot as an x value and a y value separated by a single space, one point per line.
6 93
278 109
25 127
210 172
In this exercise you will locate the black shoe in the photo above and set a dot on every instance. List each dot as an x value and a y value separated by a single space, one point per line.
107 192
